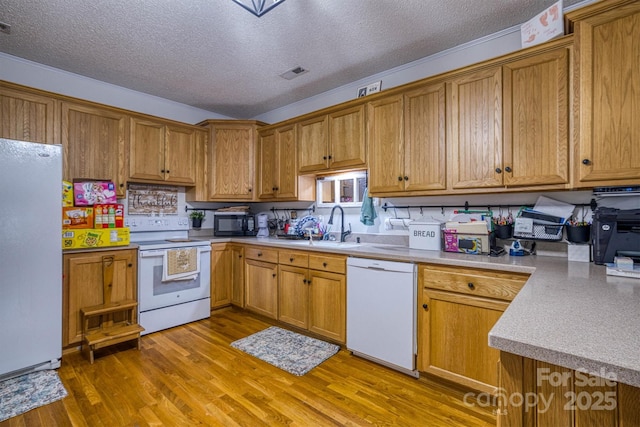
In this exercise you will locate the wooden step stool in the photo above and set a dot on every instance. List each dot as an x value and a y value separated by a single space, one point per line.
110 332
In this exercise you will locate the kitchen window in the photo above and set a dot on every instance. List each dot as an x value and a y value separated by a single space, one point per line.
345 189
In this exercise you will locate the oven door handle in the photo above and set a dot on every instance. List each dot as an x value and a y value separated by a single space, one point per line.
151 253
160 252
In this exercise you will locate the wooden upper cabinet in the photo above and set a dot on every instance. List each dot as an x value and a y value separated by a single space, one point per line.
180 154
313 144
162 152
475 129
607 90
536 119
425 161
27 116
385 137
287 165
407 137
94 141
347 132
278 174
268 154
230 164
146 157
333 141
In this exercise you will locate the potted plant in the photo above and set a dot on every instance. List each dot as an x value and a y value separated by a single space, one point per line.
196 218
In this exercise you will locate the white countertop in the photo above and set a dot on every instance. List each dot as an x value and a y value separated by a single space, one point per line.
568 313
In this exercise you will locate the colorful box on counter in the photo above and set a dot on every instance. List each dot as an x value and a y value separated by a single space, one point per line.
109 216
89 193
77 217
67 194
95 238
468 238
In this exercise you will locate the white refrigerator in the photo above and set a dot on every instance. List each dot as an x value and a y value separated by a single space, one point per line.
30 257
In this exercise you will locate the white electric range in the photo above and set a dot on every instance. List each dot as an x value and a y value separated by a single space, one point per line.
166 300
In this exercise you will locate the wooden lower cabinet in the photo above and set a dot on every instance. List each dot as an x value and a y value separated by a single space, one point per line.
313 298
457 309
227 275
561 397
237 274
261 281
85 275
221 275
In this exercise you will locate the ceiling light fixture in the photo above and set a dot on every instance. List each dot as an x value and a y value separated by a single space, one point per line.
258 7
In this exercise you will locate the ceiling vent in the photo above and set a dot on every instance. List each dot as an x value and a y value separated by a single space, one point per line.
293 73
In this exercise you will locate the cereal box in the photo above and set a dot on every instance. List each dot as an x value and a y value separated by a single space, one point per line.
77 217
67 194
88 193
95 238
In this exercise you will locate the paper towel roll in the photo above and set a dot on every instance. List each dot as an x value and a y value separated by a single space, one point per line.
389 223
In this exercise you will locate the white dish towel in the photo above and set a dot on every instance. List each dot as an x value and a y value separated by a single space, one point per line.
180 264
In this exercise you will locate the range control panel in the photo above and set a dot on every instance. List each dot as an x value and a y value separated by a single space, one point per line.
156 223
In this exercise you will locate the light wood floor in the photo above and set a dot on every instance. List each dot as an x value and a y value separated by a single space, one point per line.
189 375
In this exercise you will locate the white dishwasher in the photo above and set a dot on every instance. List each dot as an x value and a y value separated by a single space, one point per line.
381 312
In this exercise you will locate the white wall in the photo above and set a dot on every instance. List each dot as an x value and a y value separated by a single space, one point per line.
492 46
33 74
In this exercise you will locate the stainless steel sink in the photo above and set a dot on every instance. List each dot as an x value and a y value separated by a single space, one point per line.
324 244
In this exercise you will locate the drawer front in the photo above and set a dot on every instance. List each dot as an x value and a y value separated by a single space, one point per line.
324 262
294 258
261 254
484 283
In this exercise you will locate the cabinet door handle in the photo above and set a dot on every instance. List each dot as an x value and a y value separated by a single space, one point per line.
161 170
324 157
471 285
168 171
406 178
259 253
425 306
304 281
129 265
324 264
330 157
250 190
239 256
498 170
399 178
586 161
274 274
291 259
507 169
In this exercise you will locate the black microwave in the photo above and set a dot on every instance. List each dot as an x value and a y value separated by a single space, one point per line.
234 224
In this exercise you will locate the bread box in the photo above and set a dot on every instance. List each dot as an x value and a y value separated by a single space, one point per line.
425 234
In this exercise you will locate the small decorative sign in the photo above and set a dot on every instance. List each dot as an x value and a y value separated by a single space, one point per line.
152 199
368 90
544 26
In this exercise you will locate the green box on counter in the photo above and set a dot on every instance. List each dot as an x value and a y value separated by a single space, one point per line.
95 238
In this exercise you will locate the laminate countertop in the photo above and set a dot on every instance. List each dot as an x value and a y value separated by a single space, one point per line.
568 313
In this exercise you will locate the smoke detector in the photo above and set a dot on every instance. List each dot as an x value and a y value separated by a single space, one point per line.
293 73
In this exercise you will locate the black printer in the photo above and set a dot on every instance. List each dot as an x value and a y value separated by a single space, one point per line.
615 232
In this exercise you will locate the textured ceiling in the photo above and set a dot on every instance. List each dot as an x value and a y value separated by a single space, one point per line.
214 55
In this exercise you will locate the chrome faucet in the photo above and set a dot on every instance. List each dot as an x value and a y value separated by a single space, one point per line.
343 234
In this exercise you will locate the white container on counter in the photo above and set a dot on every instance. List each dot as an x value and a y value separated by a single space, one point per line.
425 234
